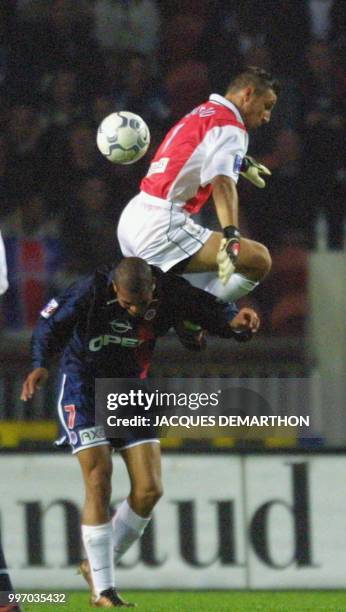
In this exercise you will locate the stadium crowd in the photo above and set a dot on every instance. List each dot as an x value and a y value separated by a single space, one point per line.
65 64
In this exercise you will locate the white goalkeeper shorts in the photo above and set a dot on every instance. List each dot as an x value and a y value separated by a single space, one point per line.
159 231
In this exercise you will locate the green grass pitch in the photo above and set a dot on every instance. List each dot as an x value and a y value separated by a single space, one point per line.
213 601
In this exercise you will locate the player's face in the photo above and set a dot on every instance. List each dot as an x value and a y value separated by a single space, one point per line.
257 108
136 304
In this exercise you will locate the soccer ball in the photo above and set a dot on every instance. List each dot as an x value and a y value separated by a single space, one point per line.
123 137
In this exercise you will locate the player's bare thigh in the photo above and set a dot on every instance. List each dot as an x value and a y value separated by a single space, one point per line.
253 260
143 463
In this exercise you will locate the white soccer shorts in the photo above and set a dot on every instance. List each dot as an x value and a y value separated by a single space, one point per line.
159 231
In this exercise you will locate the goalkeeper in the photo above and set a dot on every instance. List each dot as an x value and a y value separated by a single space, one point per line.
202 156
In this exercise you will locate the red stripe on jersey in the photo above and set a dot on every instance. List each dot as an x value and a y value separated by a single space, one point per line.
178 146
144 351
195 204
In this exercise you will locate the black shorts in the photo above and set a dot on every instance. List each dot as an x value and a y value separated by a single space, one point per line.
76 412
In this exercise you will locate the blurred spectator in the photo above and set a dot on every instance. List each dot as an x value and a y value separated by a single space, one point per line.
93 218
130 85
6 194
284 27
30 219
293 25
326 20
181 37
185 7
323 89
32 10
4 113
34 257
320 18
231 29
63 103
127 26
100 106
27 163
141 94
73 159
62 37
115 65
287 284
6 22
16 79
323 86
187 86
275 210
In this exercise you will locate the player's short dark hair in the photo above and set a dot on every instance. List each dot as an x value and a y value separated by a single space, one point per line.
133 274
256 77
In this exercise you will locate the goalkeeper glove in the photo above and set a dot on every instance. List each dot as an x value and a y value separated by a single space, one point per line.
251 170
228 253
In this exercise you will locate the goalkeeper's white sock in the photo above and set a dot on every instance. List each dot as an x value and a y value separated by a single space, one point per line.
98 543
127 528
237 286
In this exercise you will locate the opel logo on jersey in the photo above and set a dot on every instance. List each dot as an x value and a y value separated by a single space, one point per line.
120 327
150 314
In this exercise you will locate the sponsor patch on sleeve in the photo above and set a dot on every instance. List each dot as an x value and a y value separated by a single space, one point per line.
49 309
158 166
238 160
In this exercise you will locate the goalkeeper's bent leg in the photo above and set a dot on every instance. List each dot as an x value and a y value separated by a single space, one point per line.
253 264
237 286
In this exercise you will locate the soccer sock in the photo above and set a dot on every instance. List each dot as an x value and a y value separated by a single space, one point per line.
237 286
127 528
98 543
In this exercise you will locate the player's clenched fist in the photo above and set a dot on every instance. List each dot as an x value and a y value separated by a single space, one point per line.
228 253
245 324
247 319
33 381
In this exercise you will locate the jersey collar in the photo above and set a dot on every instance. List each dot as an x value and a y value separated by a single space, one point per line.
221 100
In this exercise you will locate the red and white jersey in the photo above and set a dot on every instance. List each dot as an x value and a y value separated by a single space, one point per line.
210 141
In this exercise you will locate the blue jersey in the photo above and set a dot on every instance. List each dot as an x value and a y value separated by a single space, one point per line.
99 338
